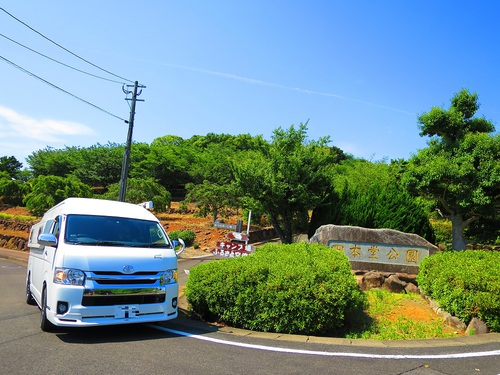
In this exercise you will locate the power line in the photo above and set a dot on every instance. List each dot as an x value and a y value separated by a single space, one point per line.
59 62
60 89
65 49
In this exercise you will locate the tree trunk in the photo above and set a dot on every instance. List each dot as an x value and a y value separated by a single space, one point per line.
458 226
288 231
277 228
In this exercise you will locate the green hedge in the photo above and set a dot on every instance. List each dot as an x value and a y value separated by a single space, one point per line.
188 236
464 283
299 288
442 230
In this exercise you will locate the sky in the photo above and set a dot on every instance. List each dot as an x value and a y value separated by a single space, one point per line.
359 72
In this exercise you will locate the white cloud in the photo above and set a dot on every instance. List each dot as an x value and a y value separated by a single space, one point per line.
14 124
20 135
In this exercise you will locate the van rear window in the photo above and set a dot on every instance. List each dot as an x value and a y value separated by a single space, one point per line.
114 231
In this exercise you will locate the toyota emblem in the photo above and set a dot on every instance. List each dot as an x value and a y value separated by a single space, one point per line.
128 269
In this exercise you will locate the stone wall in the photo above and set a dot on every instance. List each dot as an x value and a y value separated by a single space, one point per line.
14 242
262 235
14 234
15 226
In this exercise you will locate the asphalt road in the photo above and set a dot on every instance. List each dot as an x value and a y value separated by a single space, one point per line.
188 347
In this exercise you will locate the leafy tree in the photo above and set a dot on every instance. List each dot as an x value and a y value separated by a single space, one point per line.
288 177
167 162
212 198
361 174
460 168
47 191
49 161
214 155
10 165
11 191
212 164
142 190
453 124
167 140
99 165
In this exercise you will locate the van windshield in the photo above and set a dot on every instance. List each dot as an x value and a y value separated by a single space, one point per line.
114 231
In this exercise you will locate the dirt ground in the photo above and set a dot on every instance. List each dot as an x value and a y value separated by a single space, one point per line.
206 234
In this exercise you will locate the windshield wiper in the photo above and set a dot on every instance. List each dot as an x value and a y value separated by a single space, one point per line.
165 245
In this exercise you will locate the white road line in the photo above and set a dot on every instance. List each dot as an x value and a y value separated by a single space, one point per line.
330 354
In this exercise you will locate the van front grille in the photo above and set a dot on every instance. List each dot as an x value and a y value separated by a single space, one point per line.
123 300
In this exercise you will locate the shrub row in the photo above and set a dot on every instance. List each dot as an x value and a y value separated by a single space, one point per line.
299 288
188 236
442 231
465 284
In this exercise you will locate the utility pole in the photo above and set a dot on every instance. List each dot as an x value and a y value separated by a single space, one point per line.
126 156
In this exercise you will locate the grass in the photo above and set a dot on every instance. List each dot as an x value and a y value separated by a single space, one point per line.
384 318
17 217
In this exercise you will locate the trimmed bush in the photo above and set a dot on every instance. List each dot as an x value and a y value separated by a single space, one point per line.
442 230
465 284
188 236
299 288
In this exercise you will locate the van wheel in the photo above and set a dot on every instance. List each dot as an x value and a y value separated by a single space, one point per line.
45 324
29 297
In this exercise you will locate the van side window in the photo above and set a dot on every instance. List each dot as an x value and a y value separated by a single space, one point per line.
48 226
56 227
32 234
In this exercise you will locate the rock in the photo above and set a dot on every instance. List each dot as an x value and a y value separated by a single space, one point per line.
372 280
407 277
412 288
359 280
394 284
454 322
476 327
329 232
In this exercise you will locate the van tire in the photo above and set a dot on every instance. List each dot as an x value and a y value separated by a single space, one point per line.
29 297
45 324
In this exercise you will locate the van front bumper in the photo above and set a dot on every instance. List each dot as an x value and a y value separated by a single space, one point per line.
114 306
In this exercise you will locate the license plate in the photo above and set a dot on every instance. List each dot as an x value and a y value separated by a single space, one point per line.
126 312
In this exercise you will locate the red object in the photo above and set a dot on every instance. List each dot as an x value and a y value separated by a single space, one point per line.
237 236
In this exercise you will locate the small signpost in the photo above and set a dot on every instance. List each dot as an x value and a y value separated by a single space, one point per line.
237 246
236 227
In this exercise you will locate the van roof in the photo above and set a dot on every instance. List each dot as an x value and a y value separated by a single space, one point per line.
103 207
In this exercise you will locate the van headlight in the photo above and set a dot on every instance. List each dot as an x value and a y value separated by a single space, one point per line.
168 277
69 276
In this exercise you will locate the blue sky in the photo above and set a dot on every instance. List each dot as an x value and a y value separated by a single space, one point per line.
359 71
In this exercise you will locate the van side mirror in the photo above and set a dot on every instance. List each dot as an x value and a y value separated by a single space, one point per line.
47 239
183 247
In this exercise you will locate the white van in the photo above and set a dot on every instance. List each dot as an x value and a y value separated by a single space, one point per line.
99 262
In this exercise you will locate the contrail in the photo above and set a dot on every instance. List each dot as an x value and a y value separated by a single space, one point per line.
270 84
